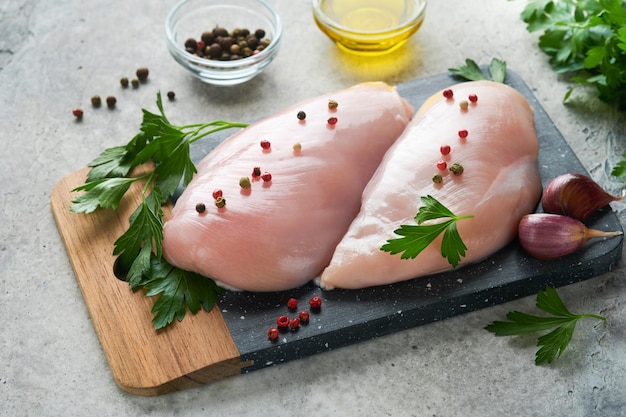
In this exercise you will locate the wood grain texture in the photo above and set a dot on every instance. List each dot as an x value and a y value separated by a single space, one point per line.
196 351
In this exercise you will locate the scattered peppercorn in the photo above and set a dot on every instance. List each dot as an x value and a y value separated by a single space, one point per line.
265 144
448 94
437 178
463 104
220 202
301 115
332 121
442 165
332 104
244 182
142 73
282 321
200 208
444 149
297 147
134 82
304 317
217 193
256 172
96 101
315 303
78 113
273 333
294 324
292 304
463 133
267 177
111 100
171 95
456 169
124 82
473 98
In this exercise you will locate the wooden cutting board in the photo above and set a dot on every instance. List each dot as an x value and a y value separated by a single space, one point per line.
232 338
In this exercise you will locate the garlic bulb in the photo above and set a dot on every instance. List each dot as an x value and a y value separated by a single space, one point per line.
551 236
575 195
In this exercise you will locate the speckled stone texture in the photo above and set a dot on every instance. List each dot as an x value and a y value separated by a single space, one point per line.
55 55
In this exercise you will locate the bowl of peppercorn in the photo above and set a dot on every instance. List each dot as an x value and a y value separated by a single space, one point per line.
369 27
223 43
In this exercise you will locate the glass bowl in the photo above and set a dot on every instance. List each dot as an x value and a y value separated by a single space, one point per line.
369 27
190 19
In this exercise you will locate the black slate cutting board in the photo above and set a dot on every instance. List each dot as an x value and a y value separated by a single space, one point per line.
350 316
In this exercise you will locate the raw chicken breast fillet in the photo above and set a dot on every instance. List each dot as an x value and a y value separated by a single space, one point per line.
280 234
500 183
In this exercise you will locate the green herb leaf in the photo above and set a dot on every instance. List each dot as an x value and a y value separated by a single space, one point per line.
471 71
586 38
178 291
416 238
139 249
551 345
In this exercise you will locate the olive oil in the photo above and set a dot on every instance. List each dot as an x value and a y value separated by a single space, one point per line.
370 25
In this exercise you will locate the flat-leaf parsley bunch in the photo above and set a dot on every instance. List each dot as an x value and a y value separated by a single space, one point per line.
586 38
163 147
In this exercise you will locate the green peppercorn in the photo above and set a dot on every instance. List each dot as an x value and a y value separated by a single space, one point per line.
437 178
134 82
456 169
111 100
244 182
96 101
220 202
332 104
142 73
124 82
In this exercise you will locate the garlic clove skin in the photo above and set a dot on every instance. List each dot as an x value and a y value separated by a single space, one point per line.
575 195
552 236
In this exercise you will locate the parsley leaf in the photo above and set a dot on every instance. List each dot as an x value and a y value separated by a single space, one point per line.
177 291
551 345
139 249
472 72
416 238
586 38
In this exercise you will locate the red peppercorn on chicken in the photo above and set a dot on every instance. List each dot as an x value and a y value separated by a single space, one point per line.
278 230
484 132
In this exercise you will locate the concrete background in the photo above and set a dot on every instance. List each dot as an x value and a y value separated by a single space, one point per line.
55 55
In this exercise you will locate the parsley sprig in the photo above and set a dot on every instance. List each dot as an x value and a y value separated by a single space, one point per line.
416 238
551 345
472 72
586 38
160 155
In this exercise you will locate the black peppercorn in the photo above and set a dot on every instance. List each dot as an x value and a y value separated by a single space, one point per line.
301 115
208 38
142 73
200 207
215 51
259 33
191 44
111 100
220 31
171 95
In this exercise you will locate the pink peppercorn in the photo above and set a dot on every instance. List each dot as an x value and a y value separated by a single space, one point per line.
444 149
473 98
441 165
265 144
463 133
267 177
448 94
332 121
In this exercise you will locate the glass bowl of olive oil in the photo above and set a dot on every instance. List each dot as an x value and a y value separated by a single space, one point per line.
369 27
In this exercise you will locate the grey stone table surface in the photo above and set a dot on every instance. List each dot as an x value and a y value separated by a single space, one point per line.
54 55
